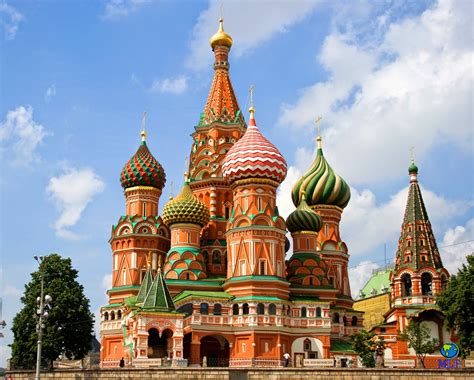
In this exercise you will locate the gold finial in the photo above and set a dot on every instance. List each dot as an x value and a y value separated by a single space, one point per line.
251 109
148 259
186 176
160 263
319 139
143 133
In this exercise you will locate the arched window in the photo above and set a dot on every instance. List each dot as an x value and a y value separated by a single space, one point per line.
260 309
304 312
272 309
186 309
354 321
112 315
426 284
235 309
106 316
217 309
335 318
216 257
119 314
444 282
406 285
245 308
307 345
344 320
318 312
204 309
288 311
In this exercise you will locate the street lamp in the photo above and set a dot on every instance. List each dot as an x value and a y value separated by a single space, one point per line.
44 303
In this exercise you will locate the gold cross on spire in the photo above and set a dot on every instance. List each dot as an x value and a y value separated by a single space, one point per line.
221 10
143 134
319 139
251 109
171 190
186 174
412 154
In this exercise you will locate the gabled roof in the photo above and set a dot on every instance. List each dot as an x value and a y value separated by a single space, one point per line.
145 287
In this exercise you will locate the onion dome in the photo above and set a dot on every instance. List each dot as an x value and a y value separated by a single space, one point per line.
303 218
143 169
253 156
185 208
321 184
221 38
413 169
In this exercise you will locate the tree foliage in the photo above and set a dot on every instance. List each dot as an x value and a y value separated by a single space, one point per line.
457 304
363 344
68 328
419 339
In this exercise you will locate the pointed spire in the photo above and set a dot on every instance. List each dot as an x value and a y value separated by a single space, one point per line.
145 286
158 297
252 109
417 244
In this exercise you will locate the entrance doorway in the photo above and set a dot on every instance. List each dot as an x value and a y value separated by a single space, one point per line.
159 346
216 350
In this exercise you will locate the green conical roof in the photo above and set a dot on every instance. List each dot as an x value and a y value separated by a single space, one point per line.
303 218
321 184
158 297
145 286
185 208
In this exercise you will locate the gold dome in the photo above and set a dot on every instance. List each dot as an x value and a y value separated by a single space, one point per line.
221 38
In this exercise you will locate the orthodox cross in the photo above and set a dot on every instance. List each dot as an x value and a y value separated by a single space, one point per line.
318 123
171 190
412 154
251 95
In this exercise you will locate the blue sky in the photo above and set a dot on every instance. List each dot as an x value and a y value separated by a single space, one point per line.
76 77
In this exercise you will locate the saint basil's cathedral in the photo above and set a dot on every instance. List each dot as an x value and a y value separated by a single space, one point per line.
208 282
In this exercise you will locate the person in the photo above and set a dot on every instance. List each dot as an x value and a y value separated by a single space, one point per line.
122 363
286 356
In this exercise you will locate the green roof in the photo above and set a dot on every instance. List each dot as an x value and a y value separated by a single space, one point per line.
158 297
338 345
258 298
201 293
145 287
379 279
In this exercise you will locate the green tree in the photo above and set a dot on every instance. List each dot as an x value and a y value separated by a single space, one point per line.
457 304
68 328
419 339
363 344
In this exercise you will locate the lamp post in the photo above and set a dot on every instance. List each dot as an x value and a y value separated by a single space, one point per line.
43 302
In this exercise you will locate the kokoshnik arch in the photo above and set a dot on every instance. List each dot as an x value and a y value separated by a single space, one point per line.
209 278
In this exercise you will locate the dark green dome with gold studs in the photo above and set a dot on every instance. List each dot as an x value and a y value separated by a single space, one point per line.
303 218
143 169
185 208
321 184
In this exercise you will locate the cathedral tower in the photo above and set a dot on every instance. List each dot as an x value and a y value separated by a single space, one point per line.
255 233
419 274
220 126
140 231
327 194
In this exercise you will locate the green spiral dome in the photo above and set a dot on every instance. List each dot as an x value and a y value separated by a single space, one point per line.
321 185
185 208
303 219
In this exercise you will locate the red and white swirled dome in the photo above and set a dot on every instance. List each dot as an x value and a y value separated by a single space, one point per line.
253 156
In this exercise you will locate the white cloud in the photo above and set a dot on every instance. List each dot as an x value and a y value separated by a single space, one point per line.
458 242
50 93
116 9
250 23
5 354
360 274
20 135
106 281
72 192
411 88
10 19
170 85
10 291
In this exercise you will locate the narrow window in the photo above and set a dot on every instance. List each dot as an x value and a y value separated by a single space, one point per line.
124 277
259 203
260 309
144 208
227 212
204 309
263 267
318 312
134 260
189 237
244 347
326 230
304 312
